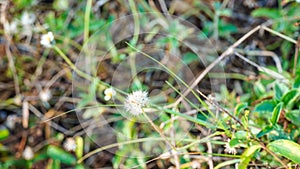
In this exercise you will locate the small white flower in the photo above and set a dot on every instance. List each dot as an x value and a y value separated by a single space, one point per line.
70 144
136 101
229 149
47 40
27 19
109 94
11 28
11 121
45 95
195 165
28 153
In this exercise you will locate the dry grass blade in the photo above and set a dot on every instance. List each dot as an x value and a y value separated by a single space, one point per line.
217 61
263 69
220 108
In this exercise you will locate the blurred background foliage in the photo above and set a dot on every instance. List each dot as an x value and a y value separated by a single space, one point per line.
36 84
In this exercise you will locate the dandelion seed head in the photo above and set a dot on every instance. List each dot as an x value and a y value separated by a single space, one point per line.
135 102
28 153
69 144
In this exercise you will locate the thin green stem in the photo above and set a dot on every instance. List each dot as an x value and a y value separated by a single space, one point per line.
69 62
136 22
187 117
158 130
139 141
80 108
87 20
192 104
81 73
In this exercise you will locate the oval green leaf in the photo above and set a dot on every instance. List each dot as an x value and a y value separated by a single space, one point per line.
286 148
265 106
266 12
247 155
276 113
238 109
290 97
61 155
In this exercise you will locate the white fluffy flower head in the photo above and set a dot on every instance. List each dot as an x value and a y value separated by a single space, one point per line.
28 153
136 101
69 144
109 93
47 40
45 95
229 149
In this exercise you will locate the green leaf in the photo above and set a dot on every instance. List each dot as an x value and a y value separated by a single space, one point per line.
280 89
266 12
226 28
189 58
247 155
234 142
259 89
4 133
290 97
294 117
190 118
265 106
297 82
79 146
241 135
238 109
55 164
59 154
286 148
265 131
79 166
276 113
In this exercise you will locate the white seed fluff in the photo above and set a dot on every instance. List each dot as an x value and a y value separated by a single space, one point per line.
28 153
136 101
70 144
45 95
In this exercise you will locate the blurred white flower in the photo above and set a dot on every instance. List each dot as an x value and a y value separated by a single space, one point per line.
298 1
229 149
11 121
195 165
136 101
109 93
47 40
27 19
70 144
28 153
11 28
45 95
